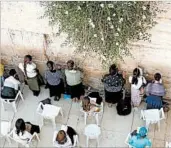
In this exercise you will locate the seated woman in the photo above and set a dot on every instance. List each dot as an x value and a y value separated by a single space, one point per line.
25 130
156 88
64 137
139 138
11 86
90 107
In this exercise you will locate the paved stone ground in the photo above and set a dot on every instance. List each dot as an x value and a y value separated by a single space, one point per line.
114 128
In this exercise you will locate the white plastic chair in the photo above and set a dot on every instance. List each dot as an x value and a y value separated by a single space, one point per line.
75 137
168 145
95 114
12 135
49 112
92 131
13 103
5 129
152 116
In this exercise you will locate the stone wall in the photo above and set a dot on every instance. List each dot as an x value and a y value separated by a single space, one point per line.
22 32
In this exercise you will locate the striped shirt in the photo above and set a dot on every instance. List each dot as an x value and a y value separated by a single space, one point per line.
53 78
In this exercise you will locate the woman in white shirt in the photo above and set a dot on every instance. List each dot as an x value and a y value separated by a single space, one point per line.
11 86
30 72
137 81
74 81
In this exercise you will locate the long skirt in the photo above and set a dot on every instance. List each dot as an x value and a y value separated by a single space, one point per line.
34 85
135 97
56 90
76 91
113 97
71 132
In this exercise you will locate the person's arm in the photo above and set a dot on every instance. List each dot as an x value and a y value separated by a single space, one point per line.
147 90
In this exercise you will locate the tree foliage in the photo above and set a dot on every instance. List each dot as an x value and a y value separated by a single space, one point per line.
105 27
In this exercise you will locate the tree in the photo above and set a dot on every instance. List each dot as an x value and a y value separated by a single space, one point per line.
105 27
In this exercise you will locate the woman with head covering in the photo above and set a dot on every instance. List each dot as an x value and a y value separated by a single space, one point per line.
156 88
54 81
139 138
137 81
31 75
64 137
113 84
74 81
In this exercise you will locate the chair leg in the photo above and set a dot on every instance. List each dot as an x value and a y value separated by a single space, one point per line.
14 106
61 112
21 96
3 105
54 123
97 119
8 139
158 125
37 136
87 141
97 141
147 124
85 118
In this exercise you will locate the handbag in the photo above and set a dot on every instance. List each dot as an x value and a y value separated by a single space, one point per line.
45 101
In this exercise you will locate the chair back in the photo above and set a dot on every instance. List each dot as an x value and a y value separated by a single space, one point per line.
39 108
168 145
12 135
153 114
5 127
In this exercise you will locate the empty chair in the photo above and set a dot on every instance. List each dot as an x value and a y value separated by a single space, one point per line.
5 129
48 111
92 131
66 137
152 116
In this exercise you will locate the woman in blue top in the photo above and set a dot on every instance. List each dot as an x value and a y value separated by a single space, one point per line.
139 138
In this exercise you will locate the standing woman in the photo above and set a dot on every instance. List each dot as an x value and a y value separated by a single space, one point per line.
137 81
30 72
113 84
54 81
74 81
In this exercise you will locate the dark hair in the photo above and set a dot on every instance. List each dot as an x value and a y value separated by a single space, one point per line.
20 126
29 57
113 69
50 62
12 72
136 74
157 76
71 62
97 96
